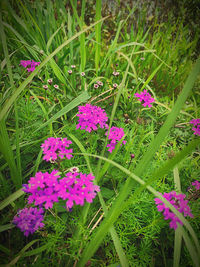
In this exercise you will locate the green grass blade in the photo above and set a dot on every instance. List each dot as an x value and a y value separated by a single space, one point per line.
6 227
177 246
11 199
74 103
6 107
193 253
52 37
98 35
15 260
7 152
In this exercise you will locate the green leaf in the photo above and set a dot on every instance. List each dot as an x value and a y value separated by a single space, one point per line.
11 199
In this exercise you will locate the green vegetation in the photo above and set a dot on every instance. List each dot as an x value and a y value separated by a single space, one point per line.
87 54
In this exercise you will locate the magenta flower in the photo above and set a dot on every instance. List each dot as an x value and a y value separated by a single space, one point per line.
196 122
146 97
96 86
42 189
90 117
115 136
196 184
31 63
54 148
177 200
77 188
28 220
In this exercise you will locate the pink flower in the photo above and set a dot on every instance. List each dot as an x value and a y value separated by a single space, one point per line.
196 122
146 97
177 200
115 136
90 117
29 220
31 63
196 184
56 147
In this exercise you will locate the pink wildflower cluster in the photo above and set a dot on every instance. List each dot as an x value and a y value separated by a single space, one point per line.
146 97
115 136
56 147
196 184
177 200
196 122
31 63
90 117
48 188
28 220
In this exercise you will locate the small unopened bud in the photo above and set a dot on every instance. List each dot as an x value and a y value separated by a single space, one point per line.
132 156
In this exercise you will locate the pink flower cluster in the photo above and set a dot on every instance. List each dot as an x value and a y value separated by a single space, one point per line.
115 136
196 122
177 200
90 117
146 97
28 220
31 63
196 184
48 188
56 147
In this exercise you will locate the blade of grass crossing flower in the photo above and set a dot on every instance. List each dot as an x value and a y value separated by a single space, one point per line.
178 231
98 35
85 210
11 199
6 107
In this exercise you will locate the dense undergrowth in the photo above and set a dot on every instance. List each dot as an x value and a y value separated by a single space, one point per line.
87 55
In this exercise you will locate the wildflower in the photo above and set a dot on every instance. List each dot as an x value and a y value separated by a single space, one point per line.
77 188
50 81
96 85
74 169
115 136
142 58
116 64
132 156
177 200
28 220
90 117
31 63
196 184
56 86
82 74
115 85
115 73
42 189
56 147
99 83
146 97
196 122
45 87
69 71
73 66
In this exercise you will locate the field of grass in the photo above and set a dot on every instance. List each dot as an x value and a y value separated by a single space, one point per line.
99 135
